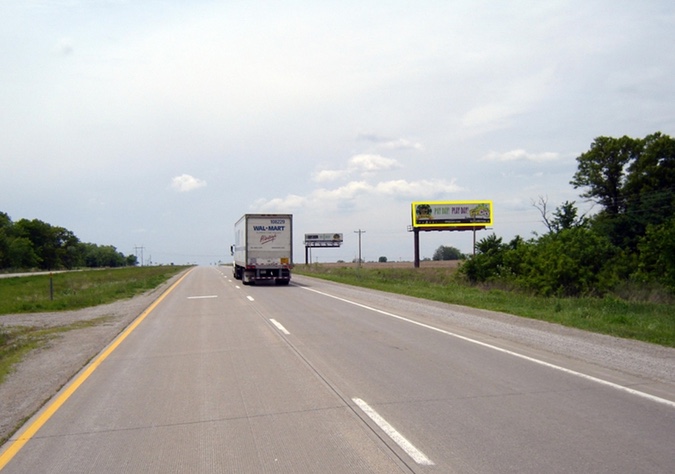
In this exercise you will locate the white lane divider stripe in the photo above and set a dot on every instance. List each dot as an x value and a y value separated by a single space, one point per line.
250 298
279 326
418 456
591 378
201 297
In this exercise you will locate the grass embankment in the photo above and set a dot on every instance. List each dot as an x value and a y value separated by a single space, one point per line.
71 291
80 289
649 322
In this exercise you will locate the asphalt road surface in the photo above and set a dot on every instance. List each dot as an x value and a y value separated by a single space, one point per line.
318 377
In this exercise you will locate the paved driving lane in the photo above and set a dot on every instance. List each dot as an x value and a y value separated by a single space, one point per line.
317 377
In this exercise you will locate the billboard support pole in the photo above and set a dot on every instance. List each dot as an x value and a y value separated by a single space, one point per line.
416 233
474 241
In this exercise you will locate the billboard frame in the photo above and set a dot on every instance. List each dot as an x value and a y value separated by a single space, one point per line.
333 239
321 240
452 215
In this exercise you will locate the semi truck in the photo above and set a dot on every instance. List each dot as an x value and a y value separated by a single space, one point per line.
263 248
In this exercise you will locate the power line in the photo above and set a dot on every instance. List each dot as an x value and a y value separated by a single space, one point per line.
136 249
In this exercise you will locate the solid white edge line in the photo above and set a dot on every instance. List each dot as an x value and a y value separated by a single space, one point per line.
506 351
418 456
280 327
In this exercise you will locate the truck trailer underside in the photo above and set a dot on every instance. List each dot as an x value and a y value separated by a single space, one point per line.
251 275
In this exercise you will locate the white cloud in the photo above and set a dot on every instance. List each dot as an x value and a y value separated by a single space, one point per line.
386 143
402 144
349 191
372 163
353 191
287 204
417 189
521 155
185 183
362 164
329 175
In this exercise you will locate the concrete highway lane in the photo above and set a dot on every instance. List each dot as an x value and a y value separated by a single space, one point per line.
318 377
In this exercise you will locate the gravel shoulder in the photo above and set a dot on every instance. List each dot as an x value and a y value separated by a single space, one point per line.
42 373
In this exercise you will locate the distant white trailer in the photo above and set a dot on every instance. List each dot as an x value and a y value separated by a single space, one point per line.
263 248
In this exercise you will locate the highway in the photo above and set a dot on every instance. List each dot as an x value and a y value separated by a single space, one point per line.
320 377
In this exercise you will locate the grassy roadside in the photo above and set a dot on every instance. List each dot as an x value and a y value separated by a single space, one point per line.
648 322
80 289
71 291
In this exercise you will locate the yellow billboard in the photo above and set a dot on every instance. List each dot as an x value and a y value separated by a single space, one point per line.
451 214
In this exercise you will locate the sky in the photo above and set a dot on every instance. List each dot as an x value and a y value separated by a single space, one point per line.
154 125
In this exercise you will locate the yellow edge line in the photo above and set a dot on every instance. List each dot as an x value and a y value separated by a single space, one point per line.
26 436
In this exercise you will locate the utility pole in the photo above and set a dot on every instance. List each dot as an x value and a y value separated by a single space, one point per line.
141 249
359 232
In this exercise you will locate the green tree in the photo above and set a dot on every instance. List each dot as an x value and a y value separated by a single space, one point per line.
98 256
5 233
68 248
41 236
602 171
488 262
567 217
37 244
634 182
657 254
650 184
564 217
54 246
22 254
447 253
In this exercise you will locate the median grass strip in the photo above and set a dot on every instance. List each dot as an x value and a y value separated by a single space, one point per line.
643 321
79 289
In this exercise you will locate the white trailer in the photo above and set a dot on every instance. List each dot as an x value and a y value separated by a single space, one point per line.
263 248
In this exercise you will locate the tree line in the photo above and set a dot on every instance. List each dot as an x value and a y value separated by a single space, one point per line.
33 244
627 245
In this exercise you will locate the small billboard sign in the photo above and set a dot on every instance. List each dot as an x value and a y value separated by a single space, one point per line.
451 214
323 240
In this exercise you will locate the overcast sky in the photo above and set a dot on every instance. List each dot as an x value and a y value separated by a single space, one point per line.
157 124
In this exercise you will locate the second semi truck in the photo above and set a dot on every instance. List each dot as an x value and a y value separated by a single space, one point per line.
263 248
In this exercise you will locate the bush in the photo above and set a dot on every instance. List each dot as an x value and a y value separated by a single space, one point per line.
572 262
657 255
